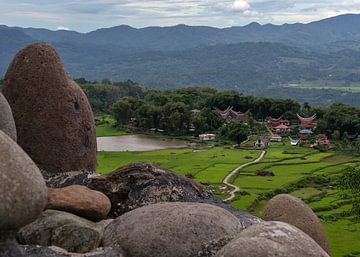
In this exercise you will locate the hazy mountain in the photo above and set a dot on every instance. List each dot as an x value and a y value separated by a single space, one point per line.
235 57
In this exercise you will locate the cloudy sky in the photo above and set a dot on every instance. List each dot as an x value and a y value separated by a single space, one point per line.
81 15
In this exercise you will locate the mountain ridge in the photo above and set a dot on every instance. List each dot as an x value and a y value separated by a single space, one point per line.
252 57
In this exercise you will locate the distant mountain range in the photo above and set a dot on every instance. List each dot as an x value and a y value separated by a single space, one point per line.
247 58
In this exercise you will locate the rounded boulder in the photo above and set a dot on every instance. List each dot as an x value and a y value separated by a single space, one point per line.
7 123
79 200
54 121
272 239
170 229
23 193
289 209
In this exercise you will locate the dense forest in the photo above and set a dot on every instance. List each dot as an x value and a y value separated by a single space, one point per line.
173 110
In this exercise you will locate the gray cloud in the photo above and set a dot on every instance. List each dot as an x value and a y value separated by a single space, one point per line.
87 15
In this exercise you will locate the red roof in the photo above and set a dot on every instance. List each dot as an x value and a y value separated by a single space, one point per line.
324 142
282 126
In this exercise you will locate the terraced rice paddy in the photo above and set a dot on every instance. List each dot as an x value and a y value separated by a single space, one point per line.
291 167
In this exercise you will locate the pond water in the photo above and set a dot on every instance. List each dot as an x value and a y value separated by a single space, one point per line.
138 143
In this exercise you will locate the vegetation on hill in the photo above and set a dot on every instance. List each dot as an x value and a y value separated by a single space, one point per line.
256 59
179 111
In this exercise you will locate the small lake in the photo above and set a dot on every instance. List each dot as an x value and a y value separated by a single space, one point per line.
138 143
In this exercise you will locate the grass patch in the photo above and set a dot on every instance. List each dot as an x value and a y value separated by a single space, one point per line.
106 127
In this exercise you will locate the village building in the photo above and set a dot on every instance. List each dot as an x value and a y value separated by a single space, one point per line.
282 129
261 143
279 125
276 138
307 123
273 122
294 141
229 114
352 137
305 133
207 137
322 139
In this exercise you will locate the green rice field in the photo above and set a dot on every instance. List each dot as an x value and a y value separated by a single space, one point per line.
299 171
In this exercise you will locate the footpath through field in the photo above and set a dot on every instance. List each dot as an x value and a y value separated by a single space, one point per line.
234 172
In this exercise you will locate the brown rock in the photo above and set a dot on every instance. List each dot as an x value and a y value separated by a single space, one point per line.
79 200
139 184
7 123
53 118
272 239
170 229
293 211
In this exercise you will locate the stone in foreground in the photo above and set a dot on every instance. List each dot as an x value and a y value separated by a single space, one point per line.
54 121
289 209
272 239
140 184
79 200
54 251
7 123
65 230
170 229
23 193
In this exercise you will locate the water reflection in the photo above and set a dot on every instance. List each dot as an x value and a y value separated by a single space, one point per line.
137 143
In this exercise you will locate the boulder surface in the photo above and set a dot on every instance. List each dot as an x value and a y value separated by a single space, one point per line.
141 184
7 123
23 192
170 229
289 209
54 251
54 121
79 200
65 230
272 239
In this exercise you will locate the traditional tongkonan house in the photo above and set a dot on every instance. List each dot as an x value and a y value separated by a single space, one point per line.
279 125
282 129
307 123
352 137
230 114
272 122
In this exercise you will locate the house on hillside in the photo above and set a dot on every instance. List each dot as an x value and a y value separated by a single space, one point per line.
276 138
261 143
307 123
207 137
279 125
229 114
322 139
294 141
282 129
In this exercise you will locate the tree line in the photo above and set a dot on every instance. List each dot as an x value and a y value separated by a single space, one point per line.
177 111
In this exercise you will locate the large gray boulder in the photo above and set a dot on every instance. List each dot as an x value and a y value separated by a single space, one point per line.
54 121
7 123
170 229
289 209
9 246
141 184
65 230
54 251
272 239
23 193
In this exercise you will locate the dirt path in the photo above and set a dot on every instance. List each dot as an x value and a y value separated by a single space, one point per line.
270 131
234 172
